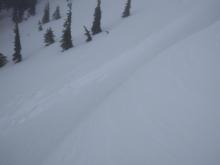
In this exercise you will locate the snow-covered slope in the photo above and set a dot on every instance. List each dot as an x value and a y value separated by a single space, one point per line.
166 113
92 105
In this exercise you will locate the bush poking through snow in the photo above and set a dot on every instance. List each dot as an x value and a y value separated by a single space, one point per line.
87 34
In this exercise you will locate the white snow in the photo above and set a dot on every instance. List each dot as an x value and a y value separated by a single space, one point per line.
146 93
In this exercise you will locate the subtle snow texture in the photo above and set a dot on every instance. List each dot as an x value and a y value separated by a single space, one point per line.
146 93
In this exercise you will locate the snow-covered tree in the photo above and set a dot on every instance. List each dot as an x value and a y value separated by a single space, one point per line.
56 14
96 27
49 37
3 60
87 34
17 57
66 41
126 11
46 16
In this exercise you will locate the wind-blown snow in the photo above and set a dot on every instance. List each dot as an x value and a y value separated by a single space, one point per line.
147 93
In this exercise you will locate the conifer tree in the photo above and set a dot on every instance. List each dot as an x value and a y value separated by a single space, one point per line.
96 27
56 14
126 12
1 5
32 11
49 37
40 27
46 16
17 15
32 7
66 41
17 57
87 34
3 60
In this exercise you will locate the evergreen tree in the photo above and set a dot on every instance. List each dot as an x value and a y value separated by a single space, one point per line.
3 60
56 14
32 7
17 15
126 12
46 16
40 27
49 37
17 57
87 34
66 41
25 4
21 5
96 27
1 5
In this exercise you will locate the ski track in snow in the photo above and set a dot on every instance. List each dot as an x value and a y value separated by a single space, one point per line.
102 82
135 57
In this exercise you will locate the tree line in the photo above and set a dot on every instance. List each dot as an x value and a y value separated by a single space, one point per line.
66 41
19 7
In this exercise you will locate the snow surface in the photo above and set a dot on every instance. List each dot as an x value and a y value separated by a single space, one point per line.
146 93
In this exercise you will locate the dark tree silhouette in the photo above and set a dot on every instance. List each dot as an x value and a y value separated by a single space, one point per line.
20 6
17 57
17 15
46 16
87 34
126 12
66 41
32 7
3 60
56 14
40 27
1 5
96 27
49 37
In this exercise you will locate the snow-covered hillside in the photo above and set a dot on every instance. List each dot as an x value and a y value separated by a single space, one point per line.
146 93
